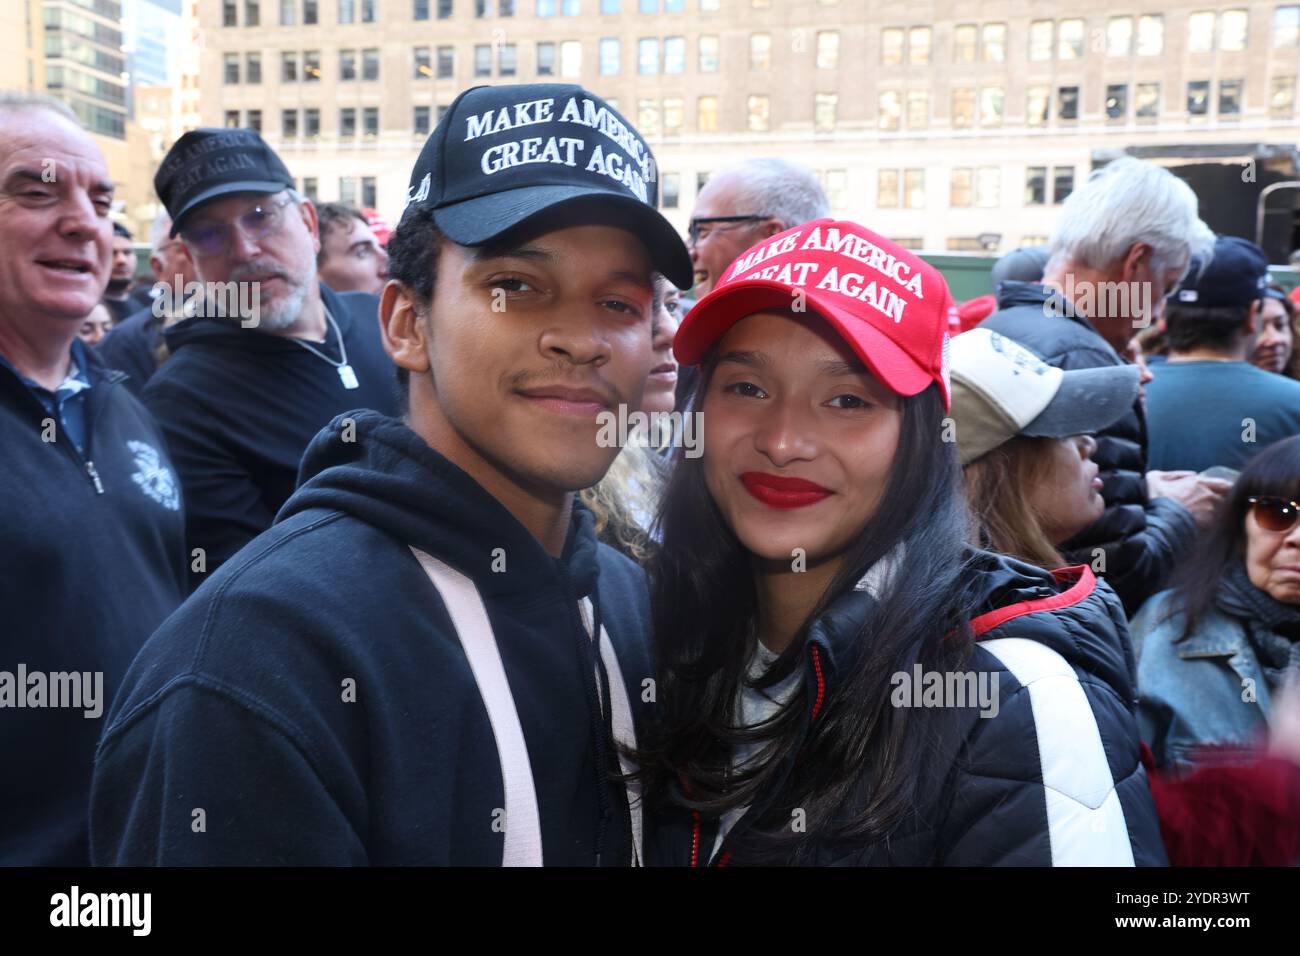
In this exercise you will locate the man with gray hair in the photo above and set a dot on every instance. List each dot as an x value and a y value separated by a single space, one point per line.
1122 244
744 204
270 354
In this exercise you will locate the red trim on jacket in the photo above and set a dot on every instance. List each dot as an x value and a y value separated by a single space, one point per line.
1082 587
821 681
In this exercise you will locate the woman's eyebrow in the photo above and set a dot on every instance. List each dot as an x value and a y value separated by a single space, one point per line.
839 367
750 359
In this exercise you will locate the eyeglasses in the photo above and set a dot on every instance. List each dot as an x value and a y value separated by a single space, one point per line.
701 228
1274 514
264 219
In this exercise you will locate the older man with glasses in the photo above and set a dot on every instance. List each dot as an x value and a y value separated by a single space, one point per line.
269 356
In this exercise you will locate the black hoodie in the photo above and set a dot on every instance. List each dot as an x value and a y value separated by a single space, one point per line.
315 702
238 407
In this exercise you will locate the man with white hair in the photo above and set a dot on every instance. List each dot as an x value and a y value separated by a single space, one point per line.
744 204
1122 244
92 560
271 355
135 345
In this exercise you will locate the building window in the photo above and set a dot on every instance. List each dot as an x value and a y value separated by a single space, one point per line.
890 110
918 45
1230 97
965 43
480 9
824 110
887 189
1286 27
891 46
232 119
546 8
648 6
570 8
963 108
1067 103
760 51
671 190
1151 35
1146 101
311 122
1036 186
1200 32
961 188
835 185
370 122
289 124
992 103
675 55
253 68
507 59
706 114
369 64
647 117
368 192
918 109
288 12
708 54
347 64
446 62
994 43
988 187
674 116
420 121
1039 106
1198 97
229 13
828 50
1281 97
288 67
611 8
1040 40
419 9
647 61
347 11
348 190
546 58
914 188
311 66
444 9
1062 183
482 60
1119 36
310 12
309 187
1070 40
255 121
759 113
231 71
571 59
1117 102
1232 30
347 123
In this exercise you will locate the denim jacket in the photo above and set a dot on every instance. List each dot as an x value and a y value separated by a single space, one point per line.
1208 690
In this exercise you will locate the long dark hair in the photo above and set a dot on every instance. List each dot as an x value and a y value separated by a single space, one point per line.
1274 471
704 601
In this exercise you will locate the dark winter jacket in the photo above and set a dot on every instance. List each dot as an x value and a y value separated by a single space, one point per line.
1137 541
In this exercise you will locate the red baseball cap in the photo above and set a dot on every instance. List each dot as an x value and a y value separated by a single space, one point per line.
892 307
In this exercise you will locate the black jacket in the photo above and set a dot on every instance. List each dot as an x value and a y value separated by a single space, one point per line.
315 699
131 346
1053 778
1139 538
239 406
91 562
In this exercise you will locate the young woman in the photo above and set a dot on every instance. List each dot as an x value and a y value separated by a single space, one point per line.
841 679
1031 484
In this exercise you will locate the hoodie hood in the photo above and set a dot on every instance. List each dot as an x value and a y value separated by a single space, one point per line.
379 471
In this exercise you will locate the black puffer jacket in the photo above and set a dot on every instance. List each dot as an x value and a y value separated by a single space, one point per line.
1142 538
1053 776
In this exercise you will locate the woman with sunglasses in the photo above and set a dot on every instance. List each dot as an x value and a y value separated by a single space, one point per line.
1215 649
841 679
1030 483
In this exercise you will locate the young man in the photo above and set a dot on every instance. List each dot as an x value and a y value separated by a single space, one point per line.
428 658
350 258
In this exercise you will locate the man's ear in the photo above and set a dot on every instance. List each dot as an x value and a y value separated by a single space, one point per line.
1251 325
769 227
310 220
402 328
1137 258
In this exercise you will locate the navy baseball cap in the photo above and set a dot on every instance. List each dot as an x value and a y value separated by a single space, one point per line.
1236 275
502 156
206 164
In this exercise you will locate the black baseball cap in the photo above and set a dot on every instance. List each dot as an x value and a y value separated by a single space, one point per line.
1236 275
503 155
206 164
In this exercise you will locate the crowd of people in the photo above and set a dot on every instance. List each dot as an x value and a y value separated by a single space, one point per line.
316 551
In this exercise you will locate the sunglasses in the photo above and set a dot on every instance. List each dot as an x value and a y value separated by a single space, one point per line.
259 222
1274 514
701 228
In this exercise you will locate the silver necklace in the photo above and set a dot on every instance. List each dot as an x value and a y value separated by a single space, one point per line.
346 375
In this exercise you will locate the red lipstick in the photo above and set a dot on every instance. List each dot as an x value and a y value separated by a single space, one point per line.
777 491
